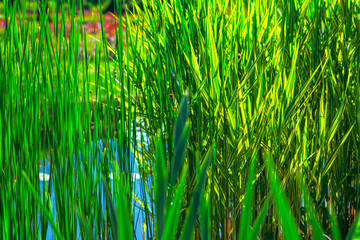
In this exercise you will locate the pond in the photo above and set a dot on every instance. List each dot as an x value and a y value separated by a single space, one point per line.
138 213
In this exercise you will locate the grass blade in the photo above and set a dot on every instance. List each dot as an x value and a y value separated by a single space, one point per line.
282 206
43 208
181 134
247 206
195 202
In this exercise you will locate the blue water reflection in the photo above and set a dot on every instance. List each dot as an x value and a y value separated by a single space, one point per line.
111 153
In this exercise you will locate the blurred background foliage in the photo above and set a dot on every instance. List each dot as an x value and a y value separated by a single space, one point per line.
94 5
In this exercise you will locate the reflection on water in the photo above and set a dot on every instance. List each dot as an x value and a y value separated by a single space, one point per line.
138 213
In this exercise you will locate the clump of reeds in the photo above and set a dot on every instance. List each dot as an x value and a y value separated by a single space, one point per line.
250 112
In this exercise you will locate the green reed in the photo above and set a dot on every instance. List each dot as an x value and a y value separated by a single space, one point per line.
251 109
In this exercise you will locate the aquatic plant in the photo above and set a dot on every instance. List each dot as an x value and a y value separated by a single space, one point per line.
241 117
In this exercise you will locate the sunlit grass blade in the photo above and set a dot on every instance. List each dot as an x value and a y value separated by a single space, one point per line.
336 152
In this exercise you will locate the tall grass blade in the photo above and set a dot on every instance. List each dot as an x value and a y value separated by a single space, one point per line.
161 185
284 213
42 207
112 213
354 232
247 206
181 134
195 202
174 207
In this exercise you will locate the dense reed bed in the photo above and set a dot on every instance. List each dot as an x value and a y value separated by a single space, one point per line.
242 118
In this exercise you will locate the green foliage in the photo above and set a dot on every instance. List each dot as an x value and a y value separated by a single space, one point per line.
252 109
